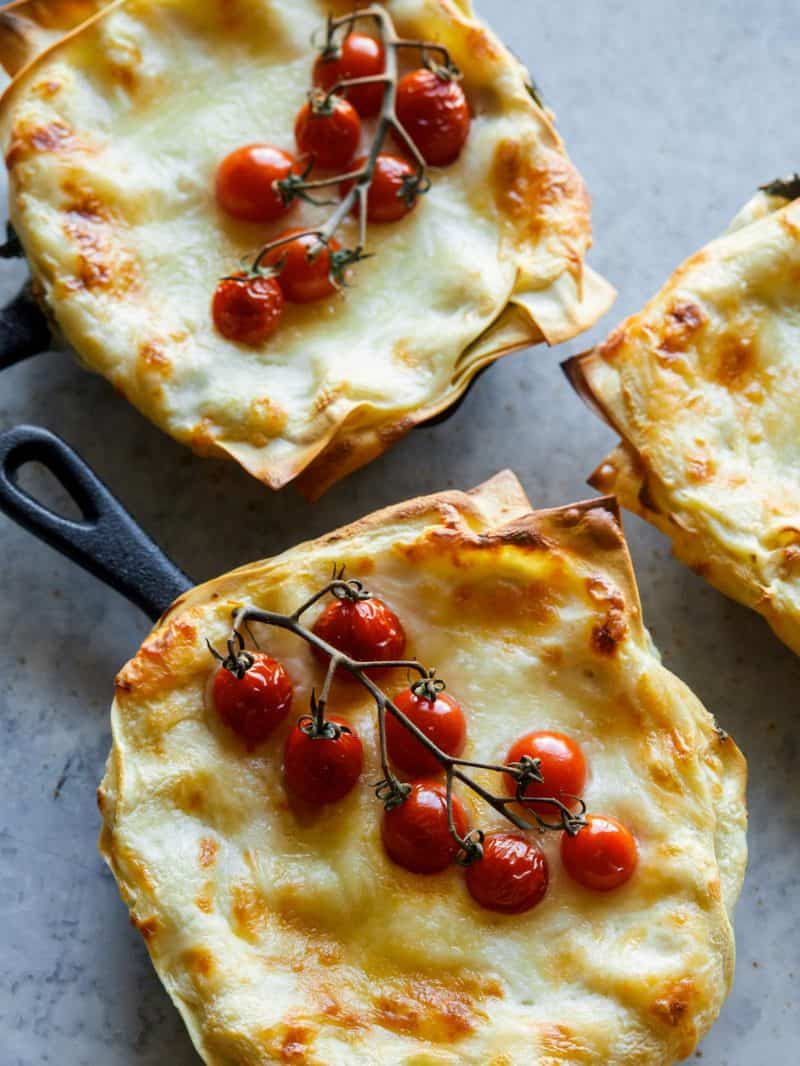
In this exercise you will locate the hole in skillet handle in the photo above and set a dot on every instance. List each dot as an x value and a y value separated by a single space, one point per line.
106 541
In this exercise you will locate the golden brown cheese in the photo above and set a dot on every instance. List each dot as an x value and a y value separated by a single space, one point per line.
131 114
284 938
702 386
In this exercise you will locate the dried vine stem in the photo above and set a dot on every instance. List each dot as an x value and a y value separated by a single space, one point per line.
300 187
390 789
788 188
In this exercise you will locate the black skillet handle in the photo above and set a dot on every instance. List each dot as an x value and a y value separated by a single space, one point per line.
24 330
106 541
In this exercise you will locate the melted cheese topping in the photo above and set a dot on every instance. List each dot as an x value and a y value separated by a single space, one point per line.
280 932
702 385
113 137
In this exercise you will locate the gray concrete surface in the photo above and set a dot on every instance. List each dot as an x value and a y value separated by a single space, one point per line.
675 111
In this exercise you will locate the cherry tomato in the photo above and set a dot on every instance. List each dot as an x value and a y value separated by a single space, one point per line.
367 630
602 856
246 182
511 877
416 833
441 719
329 137
303 277
385 199
255 704
247 309
322 770
359 56
434 113
563 768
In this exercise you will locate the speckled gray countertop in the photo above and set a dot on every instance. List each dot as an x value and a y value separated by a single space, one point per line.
675 111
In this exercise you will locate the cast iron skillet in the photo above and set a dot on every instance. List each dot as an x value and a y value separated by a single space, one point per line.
25 331
106 541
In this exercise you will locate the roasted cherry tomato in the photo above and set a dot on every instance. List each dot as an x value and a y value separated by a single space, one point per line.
247 308
255 704
416 833
562 765
246 180
359 56
328 132
304 267
367 630
322 770
386 198
511 877
440 718
434 113
602 856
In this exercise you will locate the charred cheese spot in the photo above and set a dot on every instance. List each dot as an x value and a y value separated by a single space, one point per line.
737 359
205 901
46 89
102 262
125 66
699 468
154 360
162 656
430 1010
200 963
405 353
528 194
506 602
559 1045
202 439
249 911
288 1042
608 635
673 1005
266 418
682 323
54 136
329 1004
208 851
613 345
148 927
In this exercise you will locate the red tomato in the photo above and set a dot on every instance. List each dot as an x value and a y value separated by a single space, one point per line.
255 704
385 199
602 856
441 719
322 770
359 56
366 630
247 308
563 768
329 137
246 182
434 113
416 833
303 278
511 877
